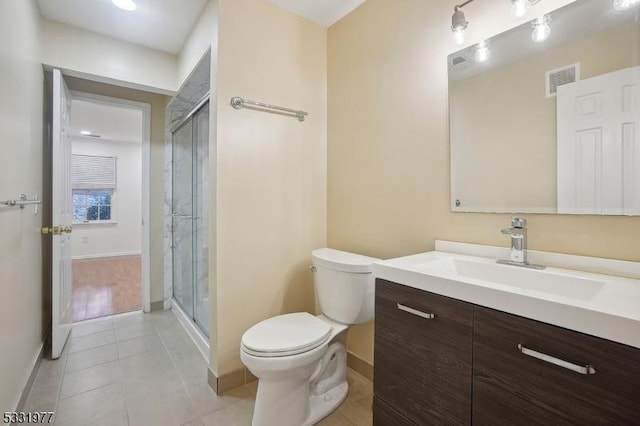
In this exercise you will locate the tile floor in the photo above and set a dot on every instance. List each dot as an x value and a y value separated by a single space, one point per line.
143 369
106 286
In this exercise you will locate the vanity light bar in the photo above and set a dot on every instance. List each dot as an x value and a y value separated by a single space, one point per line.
519 9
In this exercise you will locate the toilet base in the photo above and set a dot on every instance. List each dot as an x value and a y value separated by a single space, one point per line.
320 406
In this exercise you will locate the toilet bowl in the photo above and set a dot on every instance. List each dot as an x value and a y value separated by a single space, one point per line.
300 359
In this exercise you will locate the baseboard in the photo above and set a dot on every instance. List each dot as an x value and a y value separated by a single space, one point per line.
360 366
157 306
229 381
100 256
35 365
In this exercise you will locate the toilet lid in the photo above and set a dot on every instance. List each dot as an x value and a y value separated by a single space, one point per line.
285 335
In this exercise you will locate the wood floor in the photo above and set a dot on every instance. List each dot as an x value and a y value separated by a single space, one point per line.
106 286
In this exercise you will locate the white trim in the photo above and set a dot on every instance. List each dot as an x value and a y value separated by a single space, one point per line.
107 140
146 182
27 382
190 327
111 81
96 222
98 256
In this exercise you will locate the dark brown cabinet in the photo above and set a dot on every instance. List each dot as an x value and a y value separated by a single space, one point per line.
598 382
422 351
440 361
383 415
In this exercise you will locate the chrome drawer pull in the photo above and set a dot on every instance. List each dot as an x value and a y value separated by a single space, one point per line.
582 369
415 311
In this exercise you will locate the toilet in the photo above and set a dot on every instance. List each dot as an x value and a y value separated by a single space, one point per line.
300 359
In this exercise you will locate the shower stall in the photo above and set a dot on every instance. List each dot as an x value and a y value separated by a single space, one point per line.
189 214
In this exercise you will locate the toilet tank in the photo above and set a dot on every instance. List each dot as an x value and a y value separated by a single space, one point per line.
344 285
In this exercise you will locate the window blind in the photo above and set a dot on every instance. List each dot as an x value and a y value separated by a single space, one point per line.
93 171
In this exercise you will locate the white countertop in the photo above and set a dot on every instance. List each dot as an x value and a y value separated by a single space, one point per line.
612 312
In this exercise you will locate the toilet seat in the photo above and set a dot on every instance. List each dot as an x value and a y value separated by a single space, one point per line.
286 335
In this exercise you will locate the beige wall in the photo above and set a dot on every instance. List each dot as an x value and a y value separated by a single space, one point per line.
156 169
502 113
108 59
388 145
22 320
271 169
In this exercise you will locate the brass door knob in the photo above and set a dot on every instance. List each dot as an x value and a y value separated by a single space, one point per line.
57 230
54 230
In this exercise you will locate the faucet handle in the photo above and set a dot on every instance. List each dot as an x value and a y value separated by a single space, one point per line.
519 222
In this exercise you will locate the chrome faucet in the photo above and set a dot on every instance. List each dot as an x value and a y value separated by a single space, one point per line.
518 233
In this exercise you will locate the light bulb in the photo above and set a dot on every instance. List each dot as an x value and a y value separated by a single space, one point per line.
458 25
125 4
519 8
541 29
482 51
458 36
625 4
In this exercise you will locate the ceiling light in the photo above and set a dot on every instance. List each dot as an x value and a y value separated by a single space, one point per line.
519 8
85 132
541 28
482 51
125 4
625 4
458 24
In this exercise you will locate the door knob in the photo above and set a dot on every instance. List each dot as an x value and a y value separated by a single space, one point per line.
54 230
57 230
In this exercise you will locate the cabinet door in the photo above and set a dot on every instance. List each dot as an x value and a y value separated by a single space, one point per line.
512 387
383 415
423 365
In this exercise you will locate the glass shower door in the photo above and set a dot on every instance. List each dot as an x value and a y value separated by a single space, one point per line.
201 218
190 148
182 216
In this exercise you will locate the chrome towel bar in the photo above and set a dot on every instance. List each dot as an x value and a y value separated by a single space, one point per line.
23 201
238 103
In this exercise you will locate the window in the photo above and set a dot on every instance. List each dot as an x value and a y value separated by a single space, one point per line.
93 181
91 205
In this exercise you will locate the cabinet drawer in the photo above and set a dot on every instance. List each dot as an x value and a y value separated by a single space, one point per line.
511 387
383 415
423 363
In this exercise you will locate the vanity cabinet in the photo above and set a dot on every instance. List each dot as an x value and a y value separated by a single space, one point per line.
443 361
598 382
423 347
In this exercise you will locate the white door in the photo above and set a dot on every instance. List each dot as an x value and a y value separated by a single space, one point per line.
599 144
61 216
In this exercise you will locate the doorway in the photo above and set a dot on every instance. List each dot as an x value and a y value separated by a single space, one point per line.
107 137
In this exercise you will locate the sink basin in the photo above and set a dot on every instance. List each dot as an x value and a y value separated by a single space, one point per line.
513 276
604 304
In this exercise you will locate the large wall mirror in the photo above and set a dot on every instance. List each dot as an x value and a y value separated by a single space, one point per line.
550 126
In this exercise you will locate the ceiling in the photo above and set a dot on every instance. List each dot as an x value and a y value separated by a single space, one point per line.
158 24
322 12
114 123
165 24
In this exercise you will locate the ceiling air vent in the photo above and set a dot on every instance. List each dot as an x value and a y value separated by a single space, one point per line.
560 76
458 60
